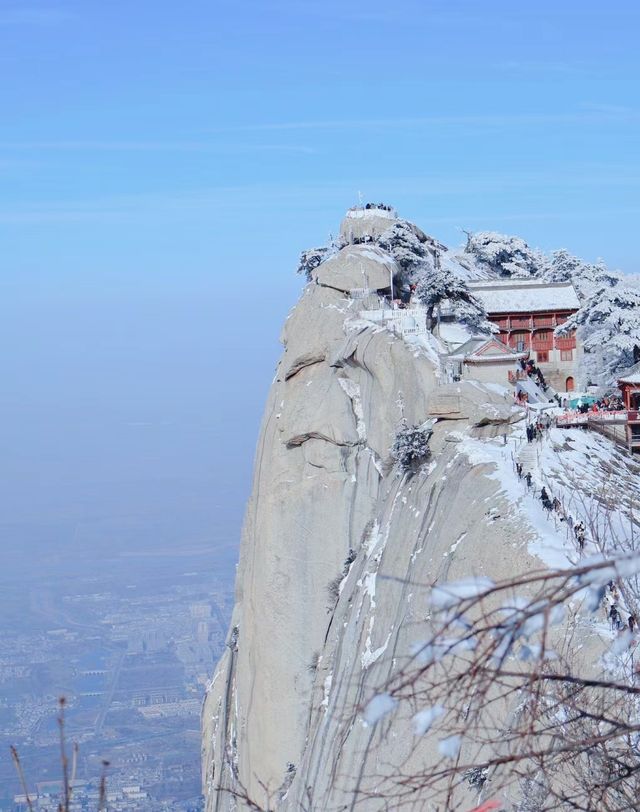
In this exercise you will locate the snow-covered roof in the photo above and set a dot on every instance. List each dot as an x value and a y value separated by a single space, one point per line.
524 296
453 333
483 349
632 375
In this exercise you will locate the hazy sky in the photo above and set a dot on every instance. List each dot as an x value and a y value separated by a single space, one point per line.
162 164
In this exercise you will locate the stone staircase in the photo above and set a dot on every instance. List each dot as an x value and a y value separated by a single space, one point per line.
528 457
533 391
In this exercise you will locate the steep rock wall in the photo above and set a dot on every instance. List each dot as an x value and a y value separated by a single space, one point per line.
279 722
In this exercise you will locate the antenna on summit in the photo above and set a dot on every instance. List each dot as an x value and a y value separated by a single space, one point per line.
360 198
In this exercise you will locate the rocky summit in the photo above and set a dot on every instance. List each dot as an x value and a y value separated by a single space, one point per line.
342 544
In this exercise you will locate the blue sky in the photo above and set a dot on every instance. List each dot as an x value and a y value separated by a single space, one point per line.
162 164
139 135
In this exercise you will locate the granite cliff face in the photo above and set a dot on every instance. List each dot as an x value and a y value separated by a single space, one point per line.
280 722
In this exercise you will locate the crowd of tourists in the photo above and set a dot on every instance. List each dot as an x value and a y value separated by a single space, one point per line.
534 372
582 404
609 403
552 503
382 206
612 606
538 428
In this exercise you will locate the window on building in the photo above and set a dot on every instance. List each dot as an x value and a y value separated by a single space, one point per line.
566 355
543 356
520 340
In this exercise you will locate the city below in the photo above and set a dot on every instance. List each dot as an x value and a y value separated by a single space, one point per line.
130 647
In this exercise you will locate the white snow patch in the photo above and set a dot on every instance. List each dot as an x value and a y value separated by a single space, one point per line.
416 553
475 452
454 546
443 596
365 214
379 256
352 390
369 657
499 389
548 544
373 538
369 586
328 682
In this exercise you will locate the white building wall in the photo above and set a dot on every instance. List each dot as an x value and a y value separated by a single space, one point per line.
556 371
488 373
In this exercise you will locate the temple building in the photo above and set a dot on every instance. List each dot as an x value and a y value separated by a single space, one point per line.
483 359
527 313
630 388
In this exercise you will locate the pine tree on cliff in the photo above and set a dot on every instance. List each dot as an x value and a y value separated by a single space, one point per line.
438 284
409 250
586 277
609 328
505 255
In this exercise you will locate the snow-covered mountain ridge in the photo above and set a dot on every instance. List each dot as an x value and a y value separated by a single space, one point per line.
607 322
342 544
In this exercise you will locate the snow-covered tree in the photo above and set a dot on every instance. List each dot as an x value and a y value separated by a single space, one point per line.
437 284
411 446
608 324
586 277
408 247
312 257
573 726
505 255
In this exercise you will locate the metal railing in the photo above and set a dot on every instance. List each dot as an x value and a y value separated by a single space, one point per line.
581 418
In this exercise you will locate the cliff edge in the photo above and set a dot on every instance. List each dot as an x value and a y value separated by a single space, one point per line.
340 546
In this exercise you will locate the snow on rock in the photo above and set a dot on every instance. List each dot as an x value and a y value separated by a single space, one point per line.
328 681
356 268
378 256
326 494
352 390
449 594
363 213
372 538
368 657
